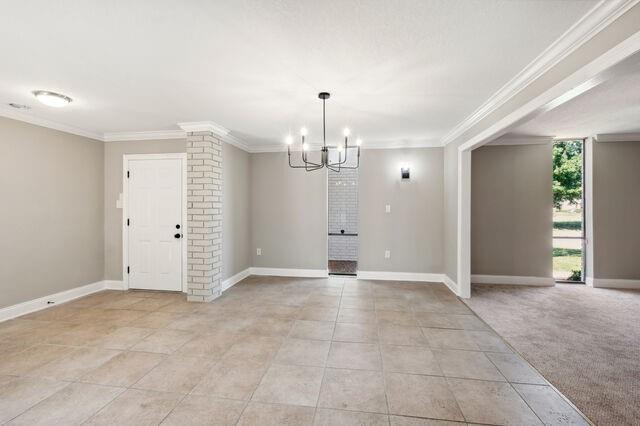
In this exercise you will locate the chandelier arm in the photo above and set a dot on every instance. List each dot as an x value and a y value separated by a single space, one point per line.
357 162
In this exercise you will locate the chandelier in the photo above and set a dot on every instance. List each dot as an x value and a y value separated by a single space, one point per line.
341 151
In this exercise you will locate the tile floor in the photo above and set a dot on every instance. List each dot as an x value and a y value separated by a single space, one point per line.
271 351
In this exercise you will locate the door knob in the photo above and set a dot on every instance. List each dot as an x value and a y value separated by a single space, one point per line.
177 236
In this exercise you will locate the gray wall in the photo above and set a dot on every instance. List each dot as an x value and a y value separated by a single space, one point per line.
413 231
511 210
451 211
52 186
113 153
616 209
288 215
236 210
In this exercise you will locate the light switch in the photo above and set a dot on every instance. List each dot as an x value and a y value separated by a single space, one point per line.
259 252
387 254
387 208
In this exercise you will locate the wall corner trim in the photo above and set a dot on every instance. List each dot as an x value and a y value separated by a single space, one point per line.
617 137
453 286
40 303
233 280
513 280
287 272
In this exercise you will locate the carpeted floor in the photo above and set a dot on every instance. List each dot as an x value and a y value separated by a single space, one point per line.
585 341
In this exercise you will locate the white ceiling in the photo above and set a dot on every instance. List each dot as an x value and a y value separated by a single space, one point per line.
611 107
399 71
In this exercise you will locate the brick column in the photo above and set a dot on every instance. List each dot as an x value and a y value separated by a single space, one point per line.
204 216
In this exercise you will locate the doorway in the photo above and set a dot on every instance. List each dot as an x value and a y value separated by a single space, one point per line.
154 220
343 222
568 211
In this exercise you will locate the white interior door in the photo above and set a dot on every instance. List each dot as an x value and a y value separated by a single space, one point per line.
154 200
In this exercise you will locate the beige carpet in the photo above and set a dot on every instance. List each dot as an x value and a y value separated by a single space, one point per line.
585 341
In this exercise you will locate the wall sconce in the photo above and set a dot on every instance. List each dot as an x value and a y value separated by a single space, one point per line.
405 172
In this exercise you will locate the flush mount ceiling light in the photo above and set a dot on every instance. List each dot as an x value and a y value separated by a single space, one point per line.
52 99
341 149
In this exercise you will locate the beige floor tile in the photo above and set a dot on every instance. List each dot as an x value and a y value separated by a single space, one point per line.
259 414
303 352
278 311
157 319
329 417
459 322
205 410
313 313
515 369
409 359
123 337
354 390
24 362
323 300
392 304
401 335
149 304
17 394
491 402
137 407
82 335
415 421
450 339
355 302
290 384
253 348
550 407
355 356
212 345
396 317
163 341
489 341
467 365
75 364
70 406
318 330
421 396
271 326
175 374
123 370
231 378
357 316
359 333
192 322
120 317
10 347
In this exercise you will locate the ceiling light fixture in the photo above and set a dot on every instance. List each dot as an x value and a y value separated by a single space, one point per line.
19 106
324 151
52 99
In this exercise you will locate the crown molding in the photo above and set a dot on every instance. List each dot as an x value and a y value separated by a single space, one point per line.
14 114
594 21
521 140
204 126
366 145
618 137
141 136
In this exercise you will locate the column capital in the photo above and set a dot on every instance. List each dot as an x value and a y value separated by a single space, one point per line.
204 126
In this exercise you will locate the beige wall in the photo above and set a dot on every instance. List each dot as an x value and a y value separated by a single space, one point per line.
511 211
616 209
113 153
236 210
288 214
412 231
451 211
51 186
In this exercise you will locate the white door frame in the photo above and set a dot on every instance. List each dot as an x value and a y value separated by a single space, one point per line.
125 210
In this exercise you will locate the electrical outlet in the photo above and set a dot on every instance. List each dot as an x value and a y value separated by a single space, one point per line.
259 252
387 254
387 208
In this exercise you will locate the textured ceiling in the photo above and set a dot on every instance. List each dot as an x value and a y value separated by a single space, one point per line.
399 71
612 107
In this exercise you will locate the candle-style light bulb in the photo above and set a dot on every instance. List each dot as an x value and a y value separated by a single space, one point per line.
304 131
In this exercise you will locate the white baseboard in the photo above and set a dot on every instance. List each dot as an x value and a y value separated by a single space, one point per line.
284 272
231 281
113 285
613 283
453 286
513 280
400 276
34 305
